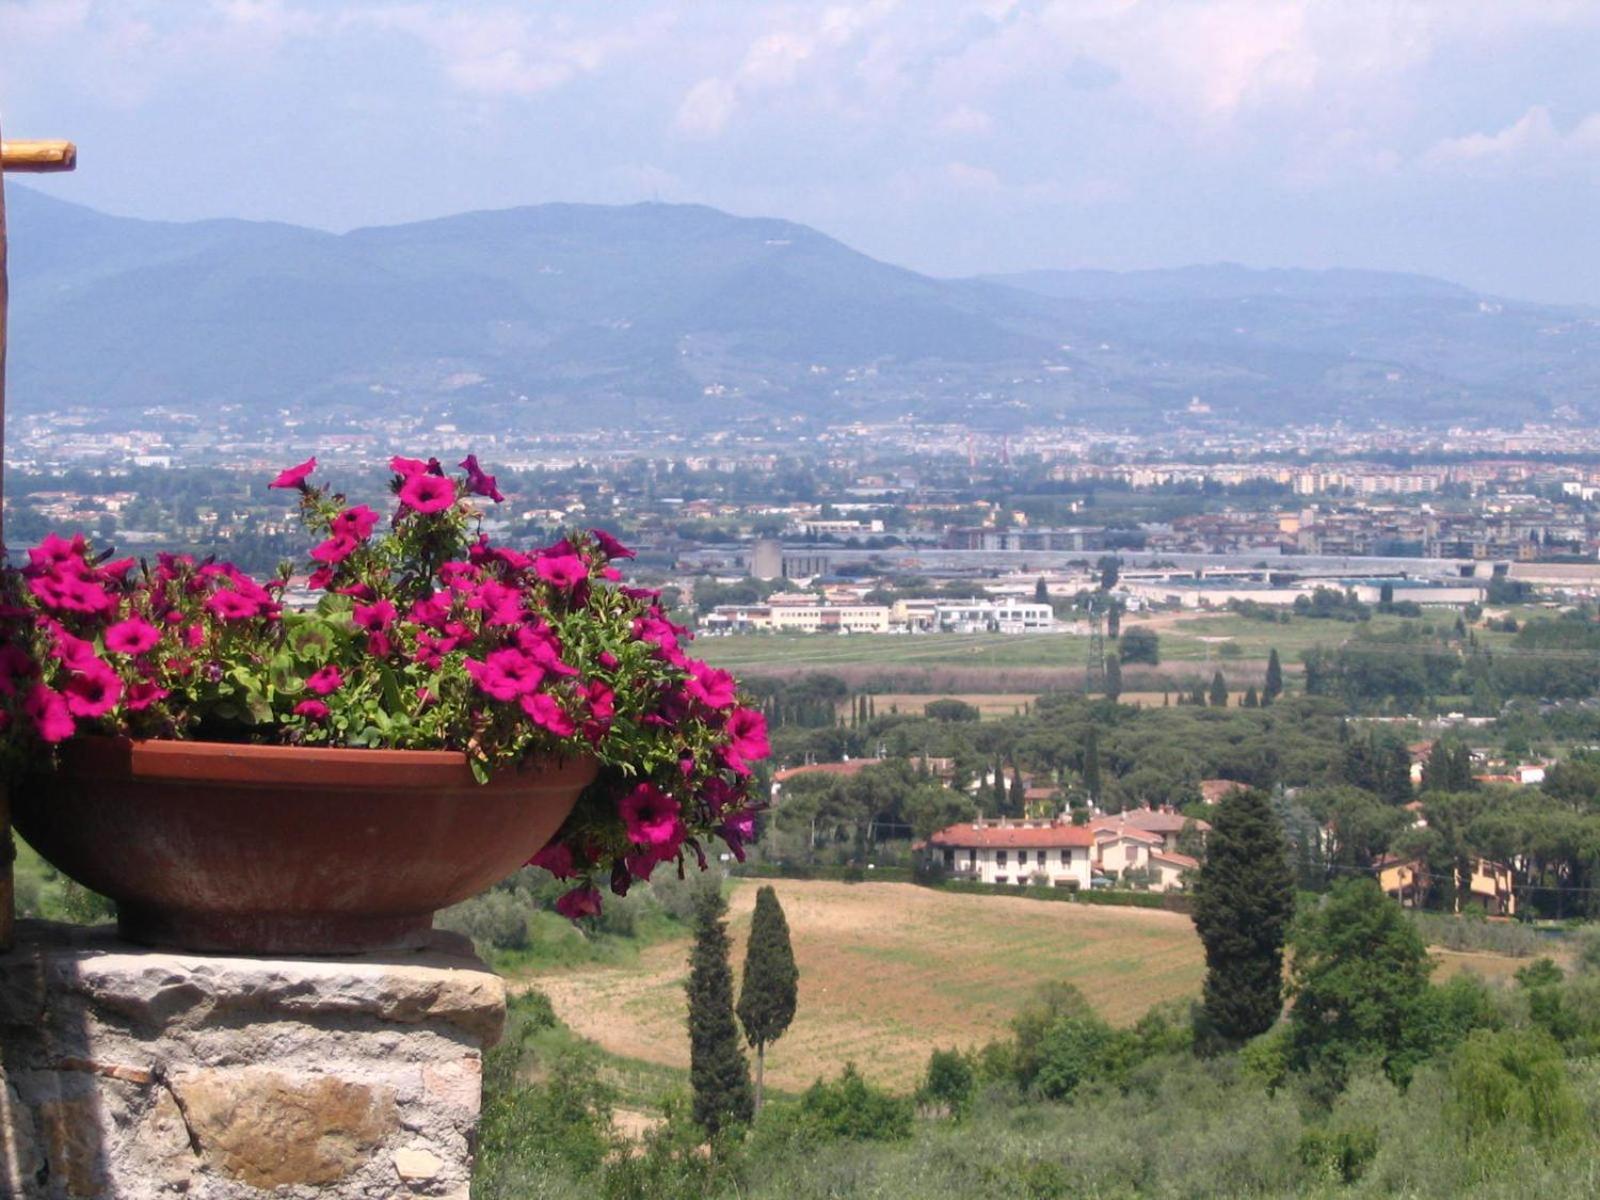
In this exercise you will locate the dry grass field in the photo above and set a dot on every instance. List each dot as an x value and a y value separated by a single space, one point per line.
890 971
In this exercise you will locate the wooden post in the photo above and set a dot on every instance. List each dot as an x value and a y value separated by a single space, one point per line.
16 157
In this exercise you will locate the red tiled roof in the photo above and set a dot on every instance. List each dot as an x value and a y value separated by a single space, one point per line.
1153 820
1213 790
854 767
1181 861
1106 827
1013 837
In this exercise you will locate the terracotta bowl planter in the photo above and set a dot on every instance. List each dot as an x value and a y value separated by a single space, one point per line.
283 850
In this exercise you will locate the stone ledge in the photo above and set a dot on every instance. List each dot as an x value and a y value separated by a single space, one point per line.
444 984
142 1073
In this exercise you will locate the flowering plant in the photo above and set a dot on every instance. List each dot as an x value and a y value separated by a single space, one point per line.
422 636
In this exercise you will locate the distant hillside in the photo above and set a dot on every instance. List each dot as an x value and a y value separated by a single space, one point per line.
575 315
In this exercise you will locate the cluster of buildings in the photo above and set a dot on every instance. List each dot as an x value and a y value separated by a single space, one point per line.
805 612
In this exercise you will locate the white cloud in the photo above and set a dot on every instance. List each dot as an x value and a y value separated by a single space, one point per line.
1532 142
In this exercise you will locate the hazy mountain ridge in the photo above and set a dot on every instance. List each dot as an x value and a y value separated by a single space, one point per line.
583 314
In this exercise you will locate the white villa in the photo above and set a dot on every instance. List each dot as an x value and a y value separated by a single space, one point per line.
1015 852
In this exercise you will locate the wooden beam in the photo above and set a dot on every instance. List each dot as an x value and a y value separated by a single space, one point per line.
37 157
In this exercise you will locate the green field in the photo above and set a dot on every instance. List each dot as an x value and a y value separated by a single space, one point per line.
1187 641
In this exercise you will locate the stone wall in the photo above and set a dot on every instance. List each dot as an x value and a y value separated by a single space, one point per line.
134 1073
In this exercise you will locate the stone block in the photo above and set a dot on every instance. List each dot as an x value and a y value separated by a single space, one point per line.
141 1073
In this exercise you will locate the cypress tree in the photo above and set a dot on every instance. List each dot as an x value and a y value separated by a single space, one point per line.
1274 686
1250 700
998 789
1113 677
1019 793
1197 694
718 1072
1219 691
767 995
1244 901
1091 764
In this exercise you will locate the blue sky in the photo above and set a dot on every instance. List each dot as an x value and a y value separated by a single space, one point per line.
1454 137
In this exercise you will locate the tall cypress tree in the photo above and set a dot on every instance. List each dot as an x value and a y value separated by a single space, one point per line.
1274 685
1113 677
1091 764
1019 793
1244 901
1219 691
770 988
718 1072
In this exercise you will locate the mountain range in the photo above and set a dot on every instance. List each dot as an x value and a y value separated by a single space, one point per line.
565 316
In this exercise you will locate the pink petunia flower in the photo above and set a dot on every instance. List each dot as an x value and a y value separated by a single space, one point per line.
609 546
651 816
355 523
233 606
133 636
579 902
407 467
92 692
142 695
376 617
51 717
545 712
557 859
747 739
478 483
564 571
427 493
713 688
294 477
325 681
314 710
335 550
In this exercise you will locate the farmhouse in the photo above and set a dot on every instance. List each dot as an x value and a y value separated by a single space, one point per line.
1004 851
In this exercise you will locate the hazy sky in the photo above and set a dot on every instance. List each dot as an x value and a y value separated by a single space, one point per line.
1455 137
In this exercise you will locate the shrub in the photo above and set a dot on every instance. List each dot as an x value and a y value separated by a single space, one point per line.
1512 1079
949 1083
1541 972
494 920
851 1109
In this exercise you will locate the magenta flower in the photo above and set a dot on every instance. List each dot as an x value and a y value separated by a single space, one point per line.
326 681
50 714
57 551
609 546
747 739
713 688
427 493
313 710
335 550
580 902
738 831
294 477
564 571
355 523
375 617
233 606
650 815
407 467
557 859
133 636
478 483
93 692
544 711
505 674
142 695
70 593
